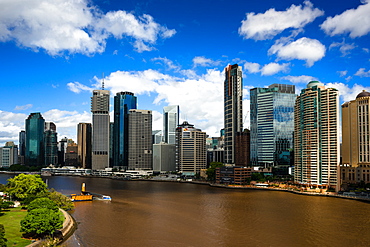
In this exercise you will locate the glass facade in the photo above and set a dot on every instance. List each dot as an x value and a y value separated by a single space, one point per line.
35 124
170 123
272 125
51 147
123 103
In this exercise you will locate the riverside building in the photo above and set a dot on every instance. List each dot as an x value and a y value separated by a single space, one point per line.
100 129
316 136
35 149
233 110
355 140
272 126
84 145
170 123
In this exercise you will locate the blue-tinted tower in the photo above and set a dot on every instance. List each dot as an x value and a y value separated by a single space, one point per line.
35 125
123 102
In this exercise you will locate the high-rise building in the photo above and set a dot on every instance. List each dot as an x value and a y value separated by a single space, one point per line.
140 147
191 154
123 103
50 126
233 110
242 143
51 144
272 125
316 136
100 129
170 123
62 149
84 145
355 139
157 136
35 125
22 146
8 155
71 155
164 157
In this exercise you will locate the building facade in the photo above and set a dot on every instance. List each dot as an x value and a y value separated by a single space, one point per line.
191 154
140 147
84 131
170 123
233 175
22 147
355 164
242 143
123 103
8 155
272 125
100 129
316 136
164 157
35 151
51 147
233 110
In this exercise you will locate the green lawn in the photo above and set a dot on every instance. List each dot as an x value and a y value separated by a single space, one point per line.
11 220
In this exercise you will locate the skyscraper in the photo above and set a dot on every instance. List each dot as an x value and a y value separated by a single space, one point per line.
191 153
170 123
233 110
123 103
22 146
35 125
140 147
84 144
316 135
100 129
8 155
272 125
355 139
51 144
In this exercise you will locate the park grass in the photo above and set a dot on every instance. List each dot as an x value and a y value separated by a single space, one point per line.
11 219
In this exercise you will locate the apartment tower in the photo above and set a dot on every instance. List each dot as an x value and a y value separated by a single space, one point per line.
316 136
233 110
84 131
100 129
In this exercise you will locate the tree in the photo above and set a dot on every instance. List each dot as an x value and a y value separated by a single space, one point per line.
3 240
26 188
43 203
41 222
61 200
211 171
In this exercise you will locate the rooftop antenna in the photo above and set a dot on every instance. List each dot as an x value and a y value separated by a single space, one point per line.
102 86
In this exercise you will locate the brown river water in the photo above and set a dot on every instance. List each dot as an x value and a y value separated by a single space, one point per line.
144 213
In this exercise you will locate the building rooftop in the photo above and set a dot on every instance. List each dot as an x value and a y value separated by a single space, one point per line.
363 94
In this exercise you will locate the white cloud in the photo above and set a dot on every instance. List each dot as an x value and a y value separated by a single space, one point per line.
10 126
77 87
362 73
169 63
23 107
356 22
252 67
309 50
267 25
74 26
346 92
342 73
273 68
343 47
299 79
205 62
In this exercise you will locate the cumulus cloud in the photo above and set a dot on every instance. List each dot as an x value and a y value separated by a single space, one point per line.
356 22
346 92
299 79
309 50
362 73
23 107
10 126
273 68
74 26
266 25
77 87
252 67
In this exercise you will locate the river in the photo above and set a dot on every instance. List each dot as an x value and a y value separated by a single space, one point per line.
144 213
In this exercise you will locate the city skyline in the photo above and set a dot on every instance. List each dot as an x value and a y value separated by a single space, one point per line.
171 54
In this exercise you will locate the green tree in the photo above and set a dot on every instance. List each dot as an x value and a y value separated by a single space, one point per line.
61 200
3 240
41 222
43 203
211 171
26 188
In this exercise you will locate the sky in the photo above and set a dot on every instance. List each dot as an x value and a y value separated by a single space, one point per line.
53 53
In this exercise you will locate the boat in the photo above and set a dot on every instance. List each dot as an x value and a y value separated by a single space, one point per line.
84 196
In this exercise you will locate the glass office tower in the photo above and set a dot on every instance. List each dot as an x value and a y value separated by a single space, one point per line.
35 124
272 125
123 103
170 123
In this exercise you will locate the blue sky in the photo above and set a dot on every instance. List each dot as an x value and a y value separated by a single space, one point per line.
54 52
